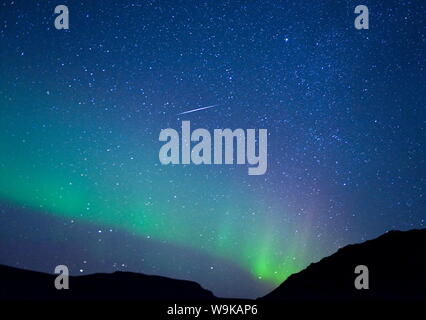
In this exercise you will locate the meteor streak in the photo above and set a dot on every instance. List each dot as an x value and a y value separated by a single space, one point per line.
198 109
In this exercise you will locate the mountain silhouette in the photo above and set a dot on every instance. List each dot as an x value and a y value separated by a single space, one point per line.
396 264
18 284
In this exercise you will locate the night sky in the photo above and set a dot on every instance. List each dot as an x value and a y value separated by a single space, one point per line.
81 110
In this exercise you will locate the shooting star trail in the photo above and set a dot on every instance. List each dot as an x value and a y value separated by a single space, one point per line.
198 109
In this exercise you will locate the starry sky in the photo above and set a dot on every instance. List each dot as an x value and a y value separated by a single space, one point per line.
81 111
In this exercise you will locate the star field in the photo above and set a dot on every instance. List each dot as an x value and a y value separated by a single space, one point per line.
81 111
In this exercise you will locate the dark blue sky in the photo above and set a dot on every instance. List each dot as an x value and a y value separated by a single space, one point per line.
81 111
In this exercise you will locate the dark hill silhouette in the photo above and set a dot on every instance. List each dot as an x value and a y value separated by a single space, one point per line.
29 285
396 262
397 271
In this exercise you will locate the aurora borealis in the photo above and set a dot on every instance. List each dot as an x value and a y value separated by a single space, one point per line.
81 110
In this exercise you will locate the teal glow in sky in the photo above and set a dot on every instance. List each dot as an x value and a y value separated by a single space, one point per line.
80 115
